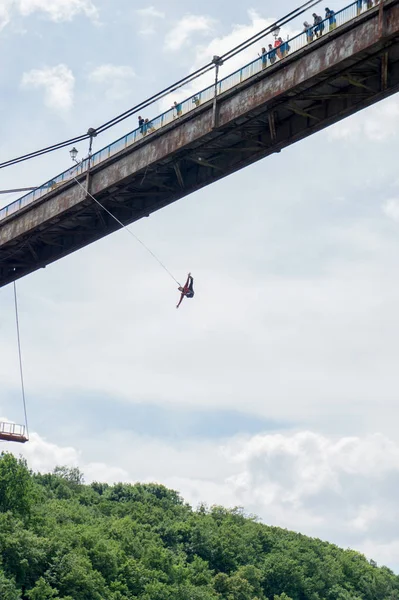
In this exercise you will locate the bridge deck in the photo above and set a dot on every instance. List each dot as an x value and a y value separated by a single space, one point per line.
346 70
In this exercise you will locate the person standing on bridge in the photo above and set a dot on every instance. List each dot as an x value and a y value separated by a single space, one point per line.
178 108
141 125
187 291
318 25
308 29
284 48
330 15
359 6
149 127
277 45
264 58
272 54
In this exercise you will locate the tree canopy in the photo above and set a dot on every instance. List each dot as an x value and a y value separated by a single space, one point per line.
63 540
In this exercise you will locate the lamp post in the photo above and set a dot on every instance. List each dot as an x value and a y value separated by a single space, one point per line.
74 154
276 32
217 61
92 133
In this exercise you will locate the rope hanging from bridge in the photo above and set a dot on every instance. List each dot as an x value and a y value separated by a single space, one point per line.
129 231
10 432
21 371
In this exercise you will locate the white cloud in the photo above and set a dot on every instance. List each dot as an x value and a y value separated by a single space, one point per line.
117 79
391 209
107 73
339 489
377 123
4 13
105 474
147 31
150 13
58 10
58 83
148 16
180 34
44 456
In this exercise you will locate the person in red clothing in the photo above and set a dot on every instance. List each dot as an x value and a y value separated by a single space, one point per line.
277 45
187 291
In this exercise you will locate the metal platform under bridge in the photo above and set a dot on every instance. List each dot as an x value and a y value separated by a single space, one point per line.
256 111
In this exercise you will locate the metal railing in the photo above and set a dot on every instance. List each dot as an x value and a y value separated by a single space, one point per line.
12 429
287 48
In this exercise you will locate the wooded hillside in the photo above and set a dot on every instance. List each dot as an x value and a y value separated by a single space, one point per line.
63 540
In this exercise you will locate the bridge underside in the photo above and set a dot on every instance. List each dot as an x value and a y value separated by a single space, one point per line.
261 126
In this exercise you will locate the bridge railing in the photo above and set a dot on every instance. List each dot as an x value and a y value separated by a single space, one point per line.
287 48
12 429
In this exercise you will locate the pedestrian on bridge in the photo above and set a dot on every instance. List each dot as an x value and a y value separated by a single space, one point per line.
264 58
272 54
141 125
285 48
178 108
149 126
318 25
277 45
307 28
330 15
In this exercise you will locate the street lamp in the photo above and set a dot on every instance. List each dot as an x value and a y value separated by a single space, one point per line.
276 32
73 154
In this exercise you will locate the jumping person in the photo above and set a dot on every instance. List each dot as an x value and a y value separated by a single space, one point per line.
187 290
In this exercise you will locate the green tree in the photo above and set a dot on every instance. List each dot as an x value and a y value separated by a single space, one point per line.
70 474
8 590
15 485
42 591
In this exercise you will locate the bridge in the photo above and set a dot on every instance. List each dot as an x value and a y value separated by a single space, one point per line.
260 109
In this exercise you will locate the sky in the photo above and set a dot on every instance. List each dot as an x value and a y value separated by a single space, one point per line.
276 387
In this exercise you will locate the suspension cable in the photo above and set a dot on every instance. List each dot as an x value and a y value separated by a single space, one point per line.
155 98
14 161
128 230
21 372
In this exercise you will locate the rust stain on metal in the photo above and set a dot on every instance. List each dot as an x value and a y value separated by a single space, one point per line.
301 72
391 20
42 213
180 136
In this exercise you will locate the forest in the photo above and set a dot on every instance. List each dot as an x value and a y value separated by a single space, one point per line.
63 540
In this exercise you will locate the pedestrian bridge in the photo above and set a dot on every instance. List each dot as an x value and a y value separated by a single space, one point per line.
254 112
